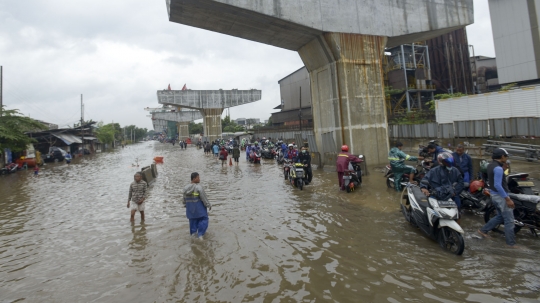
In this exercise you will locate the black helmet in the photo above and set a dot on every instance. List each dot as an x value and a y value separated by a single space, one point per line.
499 152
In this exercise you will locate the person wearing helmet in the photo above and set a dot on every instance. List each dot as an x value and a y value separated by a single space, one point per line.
283 148
397 162
292 154
463 162
445 180
498 189
342 163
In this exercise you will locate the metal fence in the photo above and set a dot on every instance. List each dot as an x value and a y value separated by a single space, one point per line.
512 127
329 144
312 143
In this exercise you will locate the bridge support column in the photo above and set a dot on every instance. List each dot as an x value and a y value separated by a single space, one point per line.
348 94
212 123
183 130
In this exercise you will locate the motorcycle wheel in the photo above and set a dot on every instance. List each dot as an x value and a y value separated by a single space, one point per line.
389 184
405 206
451 241
300 184
492 212
285 174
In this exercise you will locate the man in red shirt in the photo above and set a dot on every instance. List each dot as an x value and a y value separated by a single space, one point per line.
342 163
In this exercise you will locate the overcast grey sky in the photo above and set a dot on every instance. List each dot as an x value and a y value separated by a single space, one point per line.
119 52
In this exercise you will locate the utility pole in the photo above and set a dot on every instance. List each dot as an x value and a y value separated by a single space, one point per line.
300 112
82 121
1 88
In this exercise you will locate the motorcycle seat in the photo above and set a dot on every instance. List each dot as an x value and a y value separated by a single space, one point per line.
525 198
419 196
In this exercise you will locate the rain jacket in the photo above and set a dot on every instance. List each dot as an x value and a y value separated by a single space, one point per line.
443 181
195 201
291 154
343 160
248 150
464 162
397 158
438 150
236 152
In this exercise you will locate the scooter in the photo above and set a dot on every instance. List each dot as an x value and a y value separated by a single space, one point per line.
255 157
297 175
352 178
286 168
436 218
418 175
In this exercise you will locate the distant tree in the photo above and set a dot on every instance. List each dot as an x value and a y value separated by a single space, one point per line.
13 127
195 128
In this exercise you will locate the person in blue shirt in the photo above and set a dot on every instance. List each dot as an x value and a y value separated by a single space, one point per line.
463 162
197 206
435 150
215 149
248 150
283 148
68 158
498 189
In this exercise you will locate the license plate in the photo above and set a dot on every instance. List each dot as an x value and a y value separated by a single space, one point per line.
526 184
448 203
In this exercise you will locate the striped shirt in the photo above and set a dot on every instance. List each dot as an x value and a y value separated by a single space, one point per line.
137 191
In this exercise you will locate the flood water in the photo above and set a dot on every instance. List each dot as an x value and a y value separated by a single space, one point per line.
66 237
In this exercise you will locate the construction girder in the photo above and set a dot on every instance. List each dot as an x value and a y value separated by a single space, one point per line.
181 116
203 99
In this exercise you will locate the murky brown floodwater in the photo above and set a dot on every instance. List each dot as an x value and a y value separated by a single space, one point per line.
66 237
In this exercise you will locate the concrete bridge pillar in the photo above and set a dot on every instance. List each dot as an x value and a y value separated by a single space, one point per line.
212 122
348 93
183 130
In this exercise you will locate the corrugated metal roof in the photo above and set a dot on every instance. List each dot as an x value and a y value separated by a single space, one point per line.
68 138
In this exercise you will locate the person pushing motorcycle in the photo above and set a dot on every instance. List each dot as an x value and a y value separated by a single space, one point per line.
342 163
305 158
397 162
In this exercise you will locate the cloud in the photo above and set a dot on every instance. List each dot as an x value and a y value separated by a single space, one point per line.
119 53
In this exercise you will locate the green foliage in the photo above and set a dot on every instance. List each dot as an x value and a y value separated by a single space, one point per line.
257 126
389 91
411 118
229 126
269 123
138 133
195 128
449 96
105 133
13 127
508 87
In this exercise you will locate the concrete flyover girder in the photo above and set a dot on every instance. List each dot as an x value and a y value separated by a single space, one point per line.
159 125
201 99
291 24
342 45
181 116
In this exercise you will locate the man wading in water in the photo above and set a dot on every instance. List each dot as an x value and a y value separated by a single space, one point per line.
197 206
137 194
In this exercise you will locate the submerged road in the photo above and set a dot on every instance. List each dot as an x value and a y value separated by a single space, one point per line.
66 237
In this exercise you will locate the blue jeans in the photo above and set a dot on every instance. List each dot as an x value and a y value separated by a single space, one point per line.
199 226
505 215
466 177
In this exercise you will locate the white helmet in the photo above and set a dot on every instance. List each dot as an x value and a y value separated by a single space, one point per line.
290 145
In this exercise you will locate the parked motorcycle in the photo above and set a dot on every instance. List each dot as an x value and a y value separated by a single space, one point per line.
526 212
474 196
518 183
297 175
9 169
436 218
419 173
352 178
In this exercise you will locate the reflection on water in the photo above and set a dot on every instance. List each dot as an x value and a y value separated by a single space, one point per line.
66 237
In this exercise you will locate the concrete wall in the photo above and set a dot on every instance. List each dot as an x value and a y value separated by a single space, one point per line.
523 102
517 39
290 90
292 24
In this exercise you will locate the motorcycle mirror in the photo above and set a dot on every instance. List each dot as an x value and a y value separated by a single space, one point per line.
361 156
